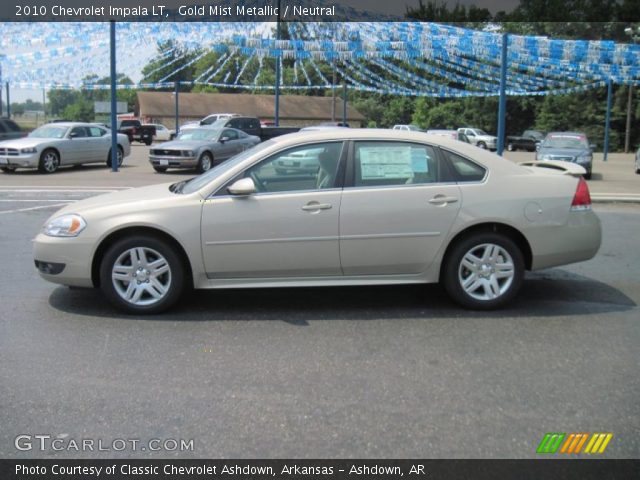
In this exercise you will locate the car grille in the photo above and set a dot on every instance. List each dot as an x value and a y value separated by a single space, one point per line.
170 153
9 151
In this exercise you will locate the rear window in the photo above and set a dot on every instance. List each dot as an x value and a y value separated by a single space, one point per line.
463 169
10 126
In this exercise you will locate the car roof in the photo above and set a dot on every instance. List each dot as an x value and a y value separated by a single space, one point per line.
71 124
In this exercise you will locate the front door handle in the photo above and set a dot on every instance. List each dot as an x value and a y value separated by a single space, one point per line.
315 206
442 200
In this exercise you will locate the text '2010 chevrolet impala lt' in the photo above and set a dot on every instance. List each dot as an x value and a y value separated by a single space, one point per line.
382 207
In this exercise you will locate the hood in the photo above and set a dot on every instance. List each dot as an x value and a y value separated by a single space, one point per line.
182 144
130 199
27 142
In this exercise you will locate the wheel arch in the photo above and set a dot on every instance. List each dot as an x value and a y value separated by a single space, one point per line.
494 227
137 230
55 149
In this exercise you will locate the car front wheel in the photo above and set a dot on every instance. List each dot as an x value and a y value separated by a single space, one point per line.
49 161
484 271
482 145
142 274
205 162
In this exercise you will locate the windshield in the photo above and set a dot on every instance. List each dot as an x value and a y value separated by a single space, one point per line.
200 181
566 141
199 134
49 131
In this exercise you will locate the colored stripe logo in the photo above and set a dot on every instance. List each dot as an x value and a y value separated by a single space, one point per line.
572 443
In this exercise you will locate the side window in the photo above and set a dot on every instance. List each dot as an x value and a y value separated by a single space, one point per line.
78 132
394 163
307 167
2 129
235 123
253 123
231 134
464 170
96 132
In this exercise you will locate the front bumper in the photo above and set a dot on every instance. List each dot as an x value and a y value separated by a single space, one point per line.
173 161
66 261
23 160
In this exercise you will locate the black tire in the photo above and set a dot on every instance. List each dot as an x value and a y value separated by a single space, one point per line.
148 141
160 169
49 161
205 162
8 169
482 145
454 272
173 279
587 175
120 157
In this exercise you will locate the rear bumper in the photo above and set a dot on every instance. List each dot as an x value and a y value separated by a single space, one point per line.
578 240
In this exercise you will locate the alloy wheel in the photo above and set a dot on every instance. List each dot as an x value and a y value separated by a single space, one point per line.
486 271
141 276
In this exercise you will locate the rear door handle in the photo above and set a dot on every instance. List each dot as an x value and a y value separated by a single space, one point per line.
315 206
442 200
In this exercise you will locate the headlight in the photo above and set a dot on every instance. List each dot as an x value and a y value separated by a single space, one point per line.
29 150
584 159
69 225
188 153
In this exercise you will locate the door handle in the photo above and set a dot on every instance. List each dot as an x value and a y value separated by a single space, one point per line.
442 200
315 206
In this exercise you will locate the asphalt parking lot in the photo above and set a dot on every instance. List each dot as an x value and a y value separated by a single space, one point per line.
390 372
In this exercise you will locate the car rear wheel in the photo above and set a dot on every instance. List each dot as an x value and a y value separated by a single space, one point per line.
142 274
484 271
510 147
120 157
49 161
205 162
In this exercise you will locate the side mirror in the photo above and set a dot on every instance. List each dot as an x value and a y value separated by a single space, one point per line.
244 186
224 139
73 135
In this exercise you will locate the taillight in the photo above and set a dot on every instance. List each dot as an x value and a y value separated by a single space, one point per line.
582 199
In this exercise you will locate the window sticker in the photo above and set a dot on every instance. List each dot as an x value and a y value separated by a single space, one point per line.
419 160
389 162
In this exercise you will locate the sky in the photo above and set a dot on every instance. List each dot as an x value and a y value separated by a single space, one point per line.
382 6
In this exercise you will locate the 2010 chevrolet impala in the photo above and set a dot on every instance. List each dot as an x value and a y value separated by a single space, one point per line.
383 207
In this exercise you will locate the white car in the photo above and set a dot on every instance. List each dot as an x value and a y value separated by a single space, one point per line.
384 207
480 138
208 120
62 143
163 134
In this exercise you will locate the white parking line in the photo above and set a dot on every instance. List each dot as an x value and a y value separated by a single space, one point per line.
34 208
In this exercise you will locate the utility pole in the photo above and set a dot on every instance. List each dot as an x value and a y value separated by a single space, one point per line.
635 36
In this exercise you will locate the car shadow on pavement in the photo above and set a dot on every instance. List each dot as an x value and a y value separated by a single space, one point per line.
554 292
